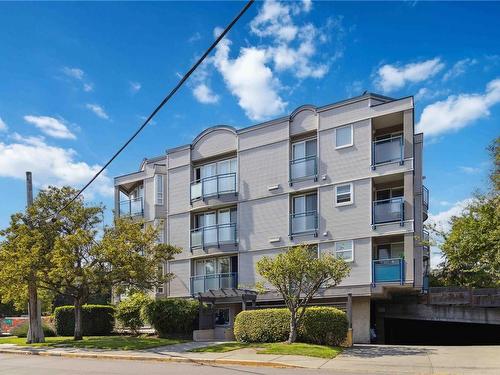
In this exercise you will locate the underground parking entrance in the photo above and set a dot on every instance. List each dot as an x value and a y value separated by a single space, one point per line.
425 332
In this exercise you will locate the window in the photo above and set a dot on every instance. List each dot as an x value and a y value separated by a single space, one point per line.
159 289
345 250
222 317
390 250
158 189
343 136
385 194
343 195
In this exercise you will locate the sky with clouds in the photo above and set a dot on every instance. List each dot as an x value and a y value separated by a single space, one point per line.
76 79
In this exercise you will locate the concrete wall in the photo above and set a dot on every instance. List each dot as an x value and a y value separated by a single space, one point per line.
361 320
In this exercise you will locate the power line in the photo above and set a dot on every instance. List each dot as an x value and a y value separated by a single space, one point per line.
163 102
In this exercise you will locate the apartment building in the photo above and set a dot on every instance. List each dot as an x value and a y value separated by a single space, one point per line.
345 177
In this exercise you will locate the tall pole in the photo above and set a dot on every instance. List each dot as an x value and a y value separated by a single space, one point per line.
35 331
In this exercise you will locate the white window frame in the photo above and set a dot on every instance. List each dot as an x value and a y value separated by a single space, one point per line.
159 194
352 137
351 194
336 252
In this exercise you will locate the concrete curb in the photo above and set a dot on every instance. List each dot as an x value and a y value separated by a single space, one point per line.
200 361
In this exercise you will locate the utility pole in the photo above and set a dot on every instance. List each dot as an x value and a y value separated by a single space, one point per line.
35 331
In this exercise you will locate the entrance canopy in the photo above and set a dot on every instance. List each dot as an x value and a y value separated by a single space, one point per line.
228 295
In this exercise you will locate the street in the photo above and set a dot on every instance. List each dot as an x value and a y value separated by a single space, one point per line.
362 360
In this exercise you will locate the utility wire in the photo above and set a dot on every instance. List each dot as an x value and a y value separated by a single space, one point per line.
163 102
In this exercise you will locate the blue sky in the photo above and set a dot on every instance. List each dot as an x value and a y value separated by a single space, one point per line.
77 78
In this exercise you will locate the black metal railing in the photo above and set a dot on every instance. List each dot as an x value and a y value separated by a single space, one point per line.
214 235
131 207
303 222
388 210
204 283
213 186
304 168
388 150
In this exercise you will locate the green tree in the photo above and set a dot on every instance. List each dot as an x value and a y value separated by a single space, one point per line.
297 274
127 256
471 248
24 250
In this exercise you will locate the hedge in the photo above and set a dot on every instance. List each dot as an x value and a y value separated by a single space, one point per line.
172 316
22 330
320 325
130 312
97 320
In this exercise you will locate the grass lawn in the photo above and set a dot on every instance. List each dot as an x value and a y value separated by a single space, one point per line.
98 342
310 350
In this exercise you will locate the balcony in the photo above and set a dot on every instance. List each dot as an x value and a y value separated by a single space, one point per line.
388 150
304 223
388 211
214 235
389 271
425 202
213 186
304 168
204 283
131 207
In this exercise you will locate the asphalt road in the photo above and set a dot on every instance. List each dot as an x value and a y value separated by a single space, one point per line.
15 364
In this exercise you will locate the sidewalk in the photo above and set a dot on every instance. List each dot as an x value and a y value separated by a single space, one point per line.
176 353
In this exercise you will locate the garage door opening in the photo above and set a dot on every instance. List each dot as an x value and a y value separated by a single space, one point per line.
422 332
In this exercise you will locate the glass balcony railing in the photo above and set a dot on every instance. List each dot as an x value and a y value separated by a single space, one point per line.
304 222
132 207
388 210
388 271
425 197
388 150
213 186
204 283
214 235
304 168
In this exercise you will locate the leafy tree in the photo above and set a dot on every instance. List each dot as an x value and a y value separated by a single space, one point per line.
471 247
24 250
127 255
297 274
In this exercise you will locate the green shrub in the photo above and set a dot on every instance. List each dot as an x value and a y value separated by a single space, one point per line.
172 316
323 326
22 330
97 320
320 325
129 312
266 325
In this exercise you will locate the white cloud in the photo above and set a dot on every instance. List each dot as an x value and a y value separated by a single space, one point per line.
50 165
459 68
442 219
458 111
3 125
470 170
204 94
135 86
391 77
87 87
248 78
195 37
253 75
98 110
75 73
50 126
79 75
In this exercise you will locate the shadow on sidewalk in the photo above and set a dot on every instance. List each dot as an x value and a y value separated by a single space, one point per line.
377 351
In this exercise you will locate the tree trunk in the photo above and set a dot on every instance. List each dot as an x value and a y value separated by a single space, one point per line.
78 319
293 328
35 331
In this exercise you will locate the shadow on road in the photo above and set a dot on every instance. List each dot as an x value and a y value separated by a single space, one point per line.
377 351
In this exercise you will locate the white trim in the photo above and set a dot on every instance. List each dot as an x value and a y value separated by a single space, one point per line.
343 251
352 137
351 195
159 195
